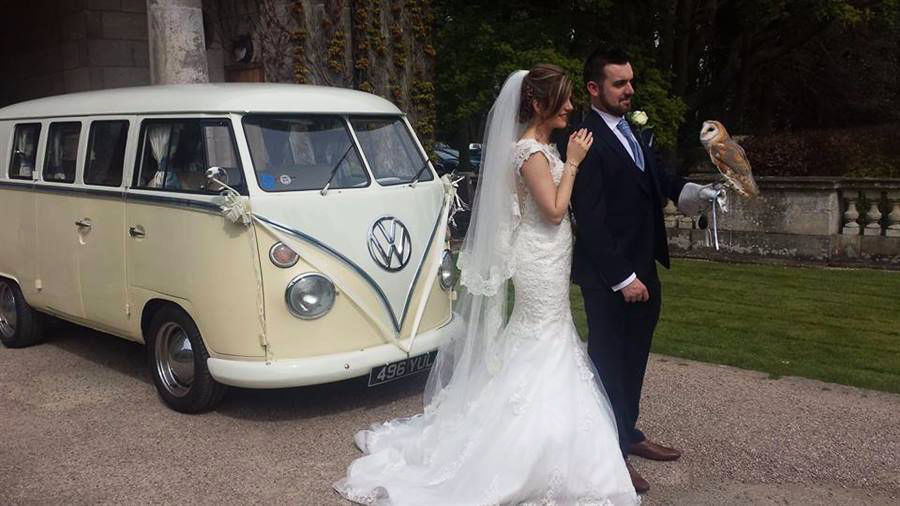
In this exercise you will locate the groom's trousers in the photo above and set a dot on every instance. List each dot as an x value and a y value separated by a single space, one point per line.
619 336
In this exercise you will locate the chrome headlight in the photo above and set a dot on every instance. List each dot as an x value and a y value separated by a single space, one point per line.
310 296
283 256
446 272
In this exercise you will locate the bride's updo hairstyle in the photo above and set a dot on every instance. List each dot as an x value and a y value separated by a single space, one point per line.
546 85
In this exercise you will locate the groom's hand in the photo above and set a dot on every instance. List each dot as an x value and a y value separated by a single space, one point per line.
636 292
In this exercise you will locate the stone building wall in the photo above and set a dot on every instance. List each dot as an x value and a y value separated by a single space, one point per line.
73 45
380 46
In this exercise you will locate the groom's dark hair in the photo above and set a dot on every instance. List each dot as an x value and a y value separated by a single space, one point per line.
601 57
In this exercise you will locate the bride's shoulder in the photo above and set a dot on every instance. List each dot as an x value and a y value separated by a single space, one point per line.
526 147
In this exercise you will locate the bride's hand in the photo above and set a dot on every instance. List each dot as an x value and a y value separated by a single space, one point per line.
579 143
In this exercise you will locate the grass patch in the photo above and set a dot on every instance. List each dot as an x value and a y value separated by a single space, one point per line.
835 325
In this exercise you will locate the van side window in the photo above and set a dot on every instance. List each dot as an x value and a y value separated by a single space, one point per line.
303 153
24 152
106 153
62 152
176 153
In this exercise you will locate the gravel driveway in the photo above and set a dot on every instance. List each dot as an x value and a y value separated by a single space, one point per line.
80 423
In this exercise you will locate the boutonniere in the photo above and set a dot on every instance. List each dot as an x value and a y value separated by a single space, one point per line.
640 119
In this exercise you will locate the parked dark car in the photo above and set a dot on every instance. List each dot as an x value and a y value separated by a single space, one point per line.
446 160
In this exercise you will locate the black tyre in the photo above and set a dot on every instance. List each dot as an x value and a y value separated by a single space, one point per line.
178 363
20 325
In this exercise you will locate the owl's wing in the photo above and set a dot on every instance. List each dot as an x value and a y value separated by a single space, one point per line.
731 154
731 160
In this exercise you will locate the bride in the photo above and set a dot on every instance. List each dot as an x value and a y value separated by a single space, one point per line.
514 412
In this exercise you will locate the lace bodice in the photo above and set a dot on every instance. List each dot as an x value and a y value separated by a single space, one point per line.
543 250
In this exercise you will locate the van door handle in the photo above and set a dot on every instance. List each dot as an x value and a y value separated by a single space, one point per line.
137 232
85 223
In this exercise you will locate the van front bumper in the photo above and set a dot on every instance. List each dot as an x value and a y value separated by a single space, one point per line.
323 368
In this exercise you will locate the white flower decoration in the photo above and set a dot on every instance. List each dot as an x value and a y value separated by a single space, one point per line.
639 118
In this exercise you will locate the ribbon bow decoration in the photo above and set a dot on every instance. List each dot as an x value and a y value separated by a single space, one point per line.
451 190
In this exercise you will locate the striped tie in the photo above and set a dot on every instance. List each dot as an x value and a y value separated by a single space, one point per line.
632 142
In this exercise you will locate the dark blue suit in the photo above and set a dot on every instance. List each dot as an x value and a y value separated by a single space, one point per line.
618 212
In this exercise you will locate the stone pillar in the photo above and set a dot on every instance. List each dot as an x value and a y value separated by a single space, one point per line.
873 216
177 43
851 215
671 214
893 229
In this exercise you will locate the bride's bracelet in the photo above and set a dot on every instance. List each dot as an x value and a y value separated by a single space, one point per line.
571 168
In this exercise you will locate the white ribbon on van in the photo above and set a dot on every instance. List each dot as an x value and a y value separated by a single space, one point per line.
237 210
452 204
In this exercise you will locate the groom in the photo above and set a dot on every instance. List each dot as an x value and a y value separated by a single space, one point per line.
618 201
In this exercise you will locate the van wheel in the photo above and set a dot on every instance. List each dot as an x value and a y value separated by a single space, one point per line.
178 359
20 325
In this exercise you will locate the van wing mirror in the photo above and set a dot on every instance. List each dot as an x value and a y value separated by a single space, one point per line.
217 177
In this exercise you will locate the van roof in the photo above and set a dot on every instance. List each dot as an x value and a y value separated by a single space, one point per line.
218 97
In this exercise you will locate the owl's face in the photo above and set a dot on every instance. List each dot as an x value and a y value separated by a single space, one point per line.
709 131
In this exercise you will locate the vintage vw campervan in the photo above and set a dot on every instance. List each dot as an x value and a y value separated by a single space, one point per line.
255 235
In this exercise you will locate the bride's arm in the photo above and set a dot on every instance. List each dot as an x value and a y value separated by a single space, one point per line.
552 200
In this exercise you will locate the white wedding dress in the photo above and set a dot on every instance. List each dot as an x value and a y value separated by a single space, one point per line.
541 430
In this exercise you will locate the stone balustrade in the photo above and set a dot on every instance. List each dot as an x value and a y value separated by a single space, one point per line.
823 220
831 221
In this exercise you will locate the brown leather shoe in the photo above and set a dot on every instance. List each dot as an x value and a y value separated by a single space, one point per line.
640 484
653 451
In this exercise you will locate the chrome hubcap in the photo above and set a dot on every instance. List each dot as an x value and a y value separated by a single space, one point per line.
174 359
7 310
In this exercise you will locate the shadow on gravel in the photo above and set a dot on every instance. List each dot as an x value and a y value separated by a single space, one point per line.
128 358
318 400
125 357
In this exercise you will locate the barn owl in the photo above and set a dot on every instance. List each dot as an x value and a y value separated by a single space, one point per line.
728 156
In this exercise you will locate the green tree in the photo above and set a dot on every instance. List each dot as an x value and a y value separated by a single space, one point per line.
756 65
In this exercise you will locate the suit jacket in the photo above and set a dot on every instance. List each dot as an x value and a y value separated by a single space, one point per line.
618 211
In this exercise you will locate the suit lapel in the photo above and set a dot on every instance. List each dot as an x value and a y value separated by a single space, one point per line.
612 141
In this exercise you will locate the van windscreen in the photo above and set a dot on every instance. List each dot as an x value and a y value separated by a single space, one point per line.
390 149
293 153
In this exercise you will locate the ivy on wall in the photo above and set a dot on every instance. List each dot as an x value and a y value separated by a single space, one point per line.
377 46
298 40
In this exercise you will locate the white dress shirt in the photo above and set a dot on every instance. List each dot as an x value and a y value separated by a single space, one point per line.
612 122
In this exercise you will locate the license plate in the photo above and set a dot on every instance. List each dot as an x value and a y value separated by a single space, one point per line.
401 368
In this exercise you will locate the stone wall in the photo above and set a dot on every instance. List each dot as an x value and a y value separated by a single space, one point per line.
76 45
379 46
800 219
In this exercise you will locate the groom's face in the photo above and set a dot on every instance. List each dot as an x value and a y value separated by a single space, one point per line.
613 95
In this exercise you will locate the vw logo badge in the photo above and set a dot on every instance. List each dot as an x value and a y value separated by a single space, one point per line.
389 244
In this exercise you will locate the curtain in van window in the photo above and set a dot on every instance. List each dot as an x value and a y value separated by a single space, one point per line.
390 149
257 147
300 146
159 135
26 146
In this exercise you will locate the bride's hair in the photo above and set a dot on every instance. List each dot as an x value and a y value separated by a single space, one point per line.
549 86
